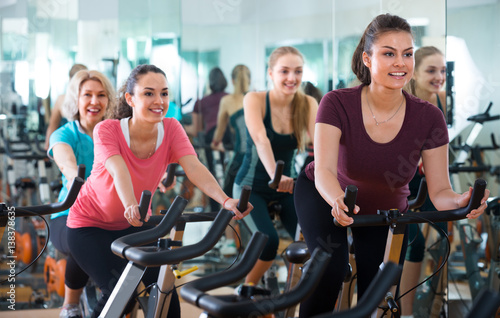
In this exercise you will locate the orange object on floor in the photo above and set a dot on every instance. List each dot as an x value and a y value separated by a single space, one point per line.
53 274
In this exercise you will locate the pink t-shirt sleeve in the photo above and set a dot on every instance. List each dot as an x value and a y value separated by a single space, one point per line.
180 145
105 142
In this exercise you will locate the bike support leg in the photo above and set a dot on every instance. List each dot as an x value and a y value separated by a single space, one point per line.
123 291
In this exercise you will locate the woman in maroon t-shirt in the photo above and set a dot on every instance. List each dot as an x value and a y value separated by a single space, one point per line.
371 136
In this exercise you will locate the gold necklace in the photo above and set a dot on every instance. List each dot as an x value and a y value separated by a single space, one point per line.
150 153
371 111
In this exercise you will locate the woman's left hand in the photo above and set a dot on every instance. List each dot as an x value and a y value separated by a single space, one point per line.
464 199
286 184
164 189
232 205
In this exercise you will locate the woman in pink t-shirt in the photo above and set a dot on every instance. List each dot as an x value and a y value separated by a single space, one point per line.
132 153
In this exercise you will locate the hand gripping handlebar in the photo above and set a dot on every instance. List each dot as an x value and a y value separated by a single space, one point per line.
278 172
395 217
128 246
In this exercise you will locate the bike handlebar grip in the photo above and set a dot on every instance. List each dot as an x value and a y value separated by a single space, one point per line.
167 182
120 245
421 196
278 172
81 171
244 197
477 194
350 194
144 204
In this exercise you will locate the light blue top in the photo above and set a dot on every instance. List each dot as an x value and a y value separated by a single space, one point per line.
73 135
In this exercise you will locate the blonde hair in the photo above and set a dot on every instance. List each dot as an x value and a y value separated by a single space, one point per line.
241 78
70 105
300 104
419 56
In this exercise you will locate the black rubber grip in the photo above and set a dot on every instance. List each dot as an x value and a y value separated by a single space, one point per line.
244 197
278 172
351 192
167 182
81 171
144 204
421 196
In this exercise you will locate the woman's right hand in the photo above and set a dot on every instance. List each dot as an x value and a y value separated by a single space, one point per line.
339 210
133 216
217 145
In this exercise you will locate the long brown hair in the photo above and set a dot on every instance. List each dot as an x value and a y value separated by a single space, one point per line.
300 104
380 24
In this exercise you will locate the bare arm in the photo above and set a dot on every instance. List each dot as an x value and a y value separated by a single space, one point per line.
435 163
66 161
254 106
205 181
55 120
326 154
222 121
122 181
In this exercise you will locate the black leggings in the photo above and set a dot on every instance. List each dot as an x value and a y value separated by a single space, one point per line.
91 249
317 226
264 223
74 277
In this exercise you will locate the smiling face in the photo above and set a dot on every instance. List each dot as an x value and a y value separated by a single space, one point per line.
430 75
92 103
286 73
150 98
391 61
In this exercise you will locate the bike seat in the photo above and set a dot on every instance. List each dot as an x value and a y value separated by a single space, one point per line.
297 252
274 208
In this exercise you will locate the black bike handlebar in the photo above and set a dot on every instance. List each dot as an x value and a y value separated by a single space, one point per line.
484 117
278 172
421 196
144 204
375 293
231 306
128 246
394 217
167 182
120 245
485 305
81 171
48 208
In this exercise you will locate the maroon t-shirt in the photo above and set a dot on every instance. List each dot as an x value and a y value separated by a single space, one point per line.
209 109
381 171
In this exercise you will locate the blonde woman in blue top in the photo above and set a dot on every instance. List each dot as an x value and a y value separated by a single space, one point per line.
88 97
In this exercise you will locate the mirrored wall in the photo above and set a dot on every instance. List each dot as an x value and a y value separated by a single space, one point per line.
41 39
